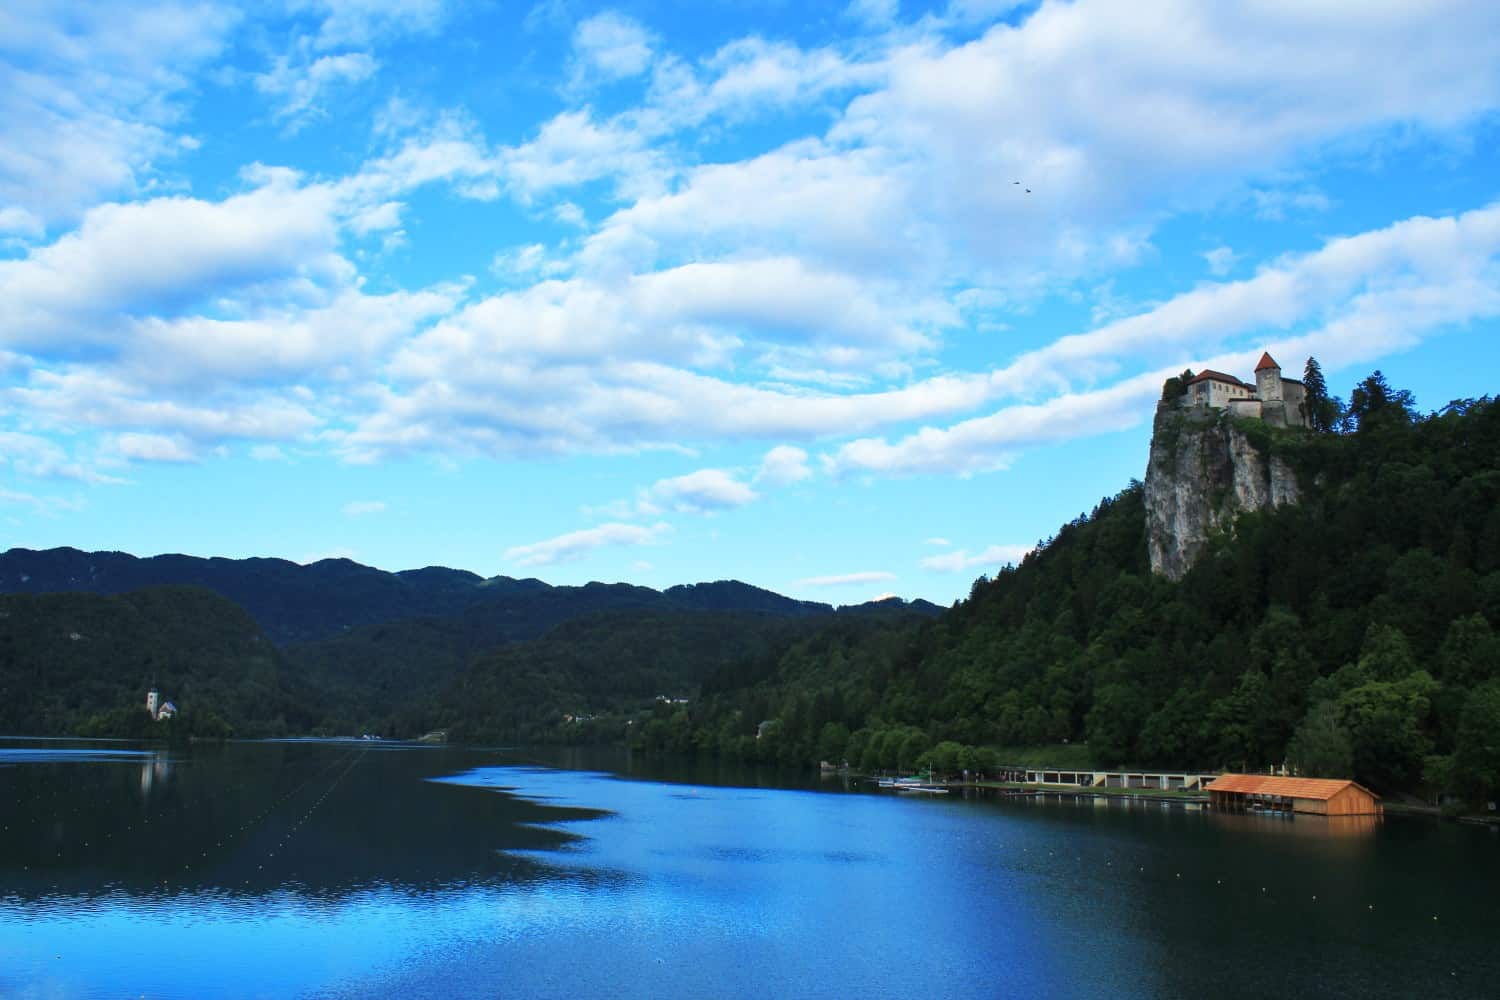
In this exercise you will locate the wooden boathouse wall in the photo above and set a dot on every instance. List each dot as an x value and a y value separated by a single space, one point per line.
1316 796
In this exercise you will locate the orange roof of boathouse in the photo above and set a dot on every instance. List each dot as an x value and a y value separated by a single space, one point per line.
1329 796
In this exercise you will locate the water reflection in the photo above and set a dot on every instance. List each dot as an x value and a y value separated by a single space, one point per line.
153 769
1309 826
347 870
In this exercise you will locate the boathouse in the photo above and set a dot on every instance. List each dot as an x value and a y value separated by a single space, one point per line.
1320 796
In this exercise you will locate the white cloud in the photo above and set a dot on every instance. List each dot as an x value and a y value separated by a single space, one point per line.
360 22
783 465
941 543
877 13
168 255
845 578
700 492
610 46
153 448
267 453
90 92
577 544
377 218
300 88
82 398
1220 261
992 557
17 220
32 455
50 506
358 508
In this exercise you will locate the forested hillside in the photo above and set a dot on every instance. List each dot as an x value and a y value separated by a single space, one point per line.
81 664
330 598
1350 634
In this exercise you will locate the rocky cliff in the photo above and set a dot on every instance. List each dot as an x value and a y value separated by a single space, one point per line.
1203 472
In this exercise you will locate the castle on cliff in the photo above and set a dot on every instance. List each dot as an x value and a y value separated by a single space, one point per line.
1280 402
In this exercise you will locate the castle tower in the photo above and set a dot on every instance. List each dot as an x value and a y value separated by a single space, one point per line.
1268 379
152 697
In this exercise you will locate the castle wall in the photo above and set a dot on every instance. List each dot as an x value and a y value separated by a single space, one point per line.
1245 408
1295 395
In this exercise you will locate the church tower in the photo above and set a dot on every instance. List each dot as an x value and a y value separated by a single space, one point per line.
1268 379
152 697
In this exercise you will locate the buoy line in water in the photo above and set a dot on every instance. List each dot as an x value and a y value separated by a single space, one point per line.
243 831
33 806
250 826
292 830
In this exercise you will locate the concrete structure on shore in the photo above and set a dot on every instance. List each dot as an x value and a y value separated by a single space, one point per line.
1184 781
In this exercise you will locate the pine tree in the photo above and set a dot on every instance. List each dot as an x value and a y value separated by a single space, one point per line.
1319 412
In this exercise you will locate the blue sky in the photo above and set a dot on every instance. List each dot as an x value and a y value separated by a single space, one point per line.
840 300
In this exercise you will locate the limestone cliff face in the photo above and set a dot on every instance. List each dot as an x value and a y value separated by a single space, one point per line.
1203 472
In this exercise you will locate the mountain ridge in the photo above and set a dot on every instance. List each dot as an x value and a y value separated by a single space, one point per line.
297 602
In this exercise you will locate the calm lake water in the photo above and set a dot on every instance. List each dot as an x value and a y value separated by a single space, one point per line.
356 870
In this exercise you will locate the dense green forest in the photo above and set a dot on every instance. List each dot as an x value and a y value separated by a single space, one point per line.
81 664
1349 634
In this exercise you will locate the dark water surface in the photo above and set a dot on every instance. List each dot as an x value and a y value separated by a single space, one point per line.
353 870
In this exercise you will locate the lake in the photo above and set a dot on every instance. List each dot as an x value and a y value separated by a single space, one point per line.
346 869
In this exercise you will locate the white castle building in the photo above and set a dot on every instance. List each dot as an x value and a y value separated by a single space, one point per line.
1281 402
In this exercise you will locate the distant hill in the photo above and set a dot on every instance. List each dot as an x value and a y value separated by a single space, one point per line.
66 659
295 603
358 649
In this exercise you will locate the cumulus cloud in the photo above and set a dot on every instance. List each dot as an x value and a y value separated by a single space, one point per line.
704 491
300 89
577 544
153 448
358 508
842 579
1220 261
801 293
783 465
610 46
166 255
991 557
43 458
90 95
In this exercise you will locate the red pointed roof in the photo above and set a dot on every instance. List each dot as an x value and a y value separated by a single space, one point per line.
1209 375
1266 361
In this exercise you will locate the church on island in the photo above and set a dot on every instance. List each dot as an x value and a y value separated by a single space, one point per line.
156 708
1280 402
